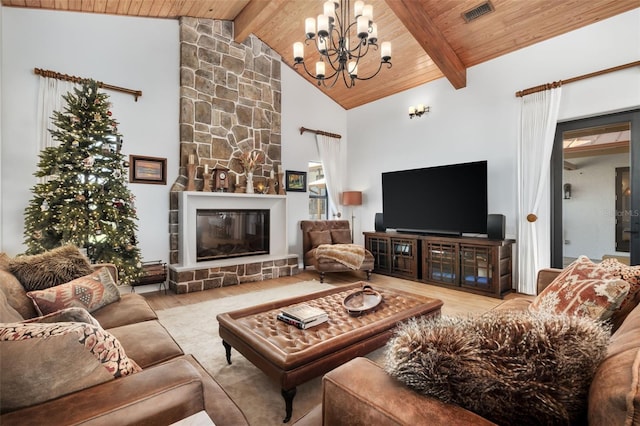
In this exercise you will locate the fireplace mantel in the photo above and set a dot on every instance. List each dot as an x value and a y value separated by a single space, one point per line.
191 201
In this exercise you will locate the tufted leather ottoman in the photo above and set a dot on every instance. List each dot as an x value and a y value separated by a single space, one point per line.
292 356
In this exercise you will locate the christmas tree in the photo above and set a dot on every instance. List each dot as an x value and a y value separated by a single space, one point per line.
84 199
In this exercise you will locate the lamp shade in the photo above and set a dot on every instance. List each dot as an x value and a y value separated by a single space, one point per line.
352 198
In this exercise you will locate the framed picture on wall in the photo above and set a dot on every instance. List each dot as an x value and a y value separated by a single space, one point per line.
147 170
296 181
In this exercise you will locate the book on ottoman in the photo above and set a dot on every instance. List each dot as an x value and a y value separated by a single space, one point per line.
303 312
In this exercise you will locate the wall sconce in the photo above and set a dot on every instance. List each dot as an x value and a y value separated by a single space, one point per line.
567 191
418 110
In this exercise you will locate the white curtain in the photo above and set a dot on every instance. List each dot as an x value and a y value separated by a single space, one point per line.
538 118
50 99
329 149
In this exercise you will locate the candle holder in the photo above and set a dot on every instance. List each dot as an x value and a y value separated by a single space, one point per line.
280 184
271 185
191 177
206 185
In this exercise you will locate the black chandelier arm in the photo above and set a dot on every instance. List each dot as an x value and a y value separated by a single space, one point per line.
376 73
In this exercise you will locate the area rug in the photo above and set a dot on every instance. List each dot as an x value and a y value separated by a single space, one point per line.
195 328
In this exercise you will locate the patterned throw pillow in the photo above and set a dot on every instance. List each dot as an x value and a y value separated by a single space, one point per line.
90 292
582 289
48 269
630 274
51 360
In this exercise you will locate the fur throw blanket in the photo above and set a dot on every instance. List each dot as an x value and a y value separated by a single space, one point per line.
511 368
349 255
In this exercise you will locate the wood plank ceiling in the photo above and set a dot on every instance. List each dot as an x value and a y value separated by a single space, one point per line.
430 39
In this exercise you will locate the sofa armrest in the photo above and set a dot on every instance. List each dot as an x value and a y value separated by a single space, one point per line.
545 277
361 393
160 395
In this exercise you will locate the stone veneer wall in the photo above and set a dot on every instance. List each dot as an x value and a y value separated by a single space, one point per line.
230 103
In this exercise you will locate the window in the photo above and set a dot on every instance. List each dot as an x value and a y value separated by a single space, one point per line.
318 199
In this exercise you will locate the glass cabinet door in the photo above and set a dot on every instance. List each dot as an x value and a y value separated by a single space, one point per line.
441 262
477 266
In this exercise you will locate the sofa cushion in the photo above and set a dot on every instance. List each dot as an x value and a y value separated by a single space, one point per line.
16 295
614 397
130 309
319 237
50 360
51 268
509 367
148 342
341 236
583 289
90 292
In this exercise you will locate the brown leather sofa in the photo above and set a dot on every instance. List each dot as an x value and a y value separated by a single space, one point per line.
315 232
170 387
360 393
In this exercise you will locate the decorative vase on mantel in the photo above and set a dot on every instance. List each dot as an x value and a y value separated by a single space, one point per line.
249 182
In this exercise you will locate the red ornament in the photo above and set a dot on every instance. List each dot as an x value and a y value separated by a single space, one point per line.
109 113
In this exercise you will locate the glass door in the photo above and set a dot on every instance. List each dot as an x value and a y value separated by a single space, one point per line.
589 216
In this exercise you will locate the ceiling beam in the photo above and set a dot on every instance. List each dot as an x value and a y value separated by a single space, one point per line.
420 25
254 15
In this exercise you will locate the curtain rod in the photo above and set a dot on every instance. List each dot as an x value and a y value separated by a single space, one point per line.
574 79
59 76
320 132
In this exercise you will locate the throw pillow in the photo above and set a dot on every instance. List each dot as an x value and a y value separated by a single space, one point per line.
51 360
630 274
319 237
341 236
509 367
51 268
91 292
583 289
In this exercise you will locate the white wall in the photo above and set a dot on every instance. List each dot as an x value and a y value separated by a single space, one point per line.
303 105
137 53
480 122
589 215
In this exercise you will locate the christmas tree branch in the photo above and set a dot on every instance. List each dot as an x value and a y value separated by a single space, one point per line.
66 77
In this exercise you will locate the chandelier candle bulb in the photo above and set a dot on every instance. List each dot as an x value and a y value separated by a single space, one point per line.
353 69
298 51
322 45
330 10
385 51
310 27
373 35
363 26
357 8
367 12
323 25
320 69
412 110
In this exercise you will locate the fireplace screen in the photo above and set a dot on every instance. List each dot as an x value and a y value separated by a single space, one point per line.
223 234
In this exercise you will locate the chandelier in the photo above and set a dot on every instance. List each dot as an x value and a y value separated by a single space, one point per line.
341 43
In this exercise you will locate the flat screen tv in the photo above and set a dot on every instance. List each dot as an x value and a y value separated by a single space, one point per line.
450 199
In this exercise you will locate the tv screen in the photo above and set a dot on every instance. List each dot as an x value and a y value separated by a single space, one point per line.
450 199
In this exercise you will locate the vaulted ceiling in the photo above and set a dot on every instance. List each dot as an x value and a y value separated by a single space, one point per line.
430 38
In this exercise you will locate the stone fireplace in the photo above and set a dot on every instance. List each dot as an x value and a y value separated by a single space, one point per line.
229 105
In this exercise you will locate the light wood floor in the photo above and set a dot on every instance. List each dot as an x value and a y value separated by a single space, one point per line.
455 302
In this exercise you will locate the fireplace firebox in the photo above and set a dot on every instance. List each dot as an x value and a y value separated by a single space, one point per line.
227 233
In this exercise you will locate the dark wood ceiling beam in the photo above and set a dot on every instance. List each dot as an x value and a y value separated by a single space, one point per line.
420 25
254 15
